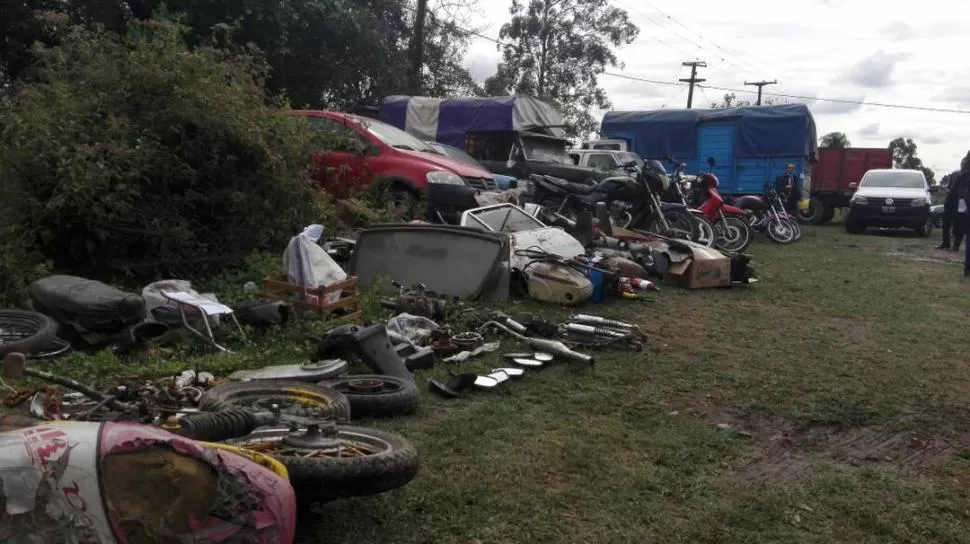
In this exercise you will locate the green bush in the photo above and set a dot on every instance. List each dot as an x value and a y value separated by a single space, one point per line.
134 151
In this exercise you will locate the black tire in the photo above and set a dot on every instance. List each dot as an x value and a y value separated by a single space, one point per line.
325 478
815 214
25 332
745 235
829 215
781 231
330 404
853 227
373 395
926 230
682 225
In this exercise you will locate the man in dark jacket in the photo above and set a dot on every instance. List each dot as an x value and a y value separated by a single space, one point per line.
789 189
951 217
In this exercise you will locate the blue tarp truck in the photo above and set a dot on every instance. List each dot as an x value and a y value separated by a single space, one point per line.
752 145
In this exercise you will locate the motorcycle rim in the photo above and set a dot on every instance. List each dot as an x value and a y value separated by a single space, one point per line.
781 232
732 235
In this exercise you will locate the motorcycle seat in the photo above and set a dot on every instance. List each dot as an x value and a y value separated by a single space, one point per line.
565 185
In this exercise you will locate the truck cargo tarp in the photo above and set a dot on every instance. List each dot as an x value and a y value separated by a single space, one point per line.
448 120
763 131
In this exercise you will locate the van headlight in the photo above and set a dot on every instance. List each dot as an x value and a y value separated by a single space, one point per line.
918 202
445 178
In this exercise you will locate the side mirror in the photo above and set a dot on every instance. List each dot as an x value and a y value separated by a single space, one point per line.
853 186
711 162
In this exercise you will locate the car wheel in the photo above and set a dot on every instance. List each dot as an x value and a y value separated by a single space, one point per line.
925 230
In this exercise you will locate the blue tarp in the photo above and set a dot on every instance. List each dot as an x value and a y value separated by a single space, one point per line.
762 131
449 120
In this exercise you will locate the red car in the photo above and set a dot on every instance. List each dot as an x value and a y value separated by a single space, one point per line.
368 151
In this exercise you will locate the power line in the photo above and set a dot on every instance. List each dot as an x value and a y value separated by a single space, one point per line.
794 96
760 85
658 10
693 79
731 90
688 40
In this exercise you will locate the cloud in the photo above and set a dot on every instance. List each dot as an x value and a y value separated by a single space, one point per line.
931 140
958 95
872 129
852 104
898 30
874 71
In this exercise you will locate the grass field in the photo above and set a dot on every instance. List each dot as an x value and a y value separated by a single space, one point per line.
828 403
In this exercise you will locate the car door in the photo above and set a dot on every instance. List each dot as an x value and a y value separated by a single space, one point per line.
344 164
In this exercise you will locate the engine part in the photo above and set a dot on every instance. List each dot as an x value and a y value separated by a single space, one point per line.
468 341
369 344
553 347
420 301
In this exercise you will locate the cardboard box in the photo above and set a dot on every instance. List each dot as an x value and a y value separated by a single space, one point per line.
705 269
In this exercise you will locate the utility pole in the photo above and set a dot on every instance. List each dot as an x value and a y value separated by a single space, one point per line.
417 46
760 85
693 79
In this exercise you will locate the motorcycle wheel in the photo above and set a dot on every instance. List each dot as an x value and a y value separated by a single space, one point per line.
705 230
797 227
337 462
733 235
293 398
781 231
682 225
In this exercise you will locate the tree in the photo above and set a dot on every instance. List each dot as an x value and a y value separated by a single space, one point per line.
835 140
556 49
731 100
321 53
905 156
121 150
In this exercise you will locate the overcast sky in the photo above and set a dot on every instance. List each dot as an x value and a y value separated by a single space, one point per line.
892 52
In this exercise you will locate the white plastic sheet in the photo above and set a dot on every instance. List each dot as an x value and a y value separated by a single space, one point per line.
308 265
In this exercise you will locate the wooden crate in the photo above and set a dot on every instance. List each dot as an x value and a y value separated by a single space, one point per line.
347 308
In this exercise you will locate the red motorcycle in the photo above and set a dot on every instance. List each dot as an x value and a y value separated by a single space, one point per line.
732 231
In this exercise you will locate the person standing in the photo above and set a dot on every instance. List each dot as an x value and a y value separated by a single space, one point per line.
789 188
951 204
961 186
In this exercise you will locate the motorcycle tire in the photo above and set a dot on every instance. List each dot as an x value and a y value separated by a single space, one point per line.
299 399
320 475
734 235
685 229
781 231
25 332
376 395
705 230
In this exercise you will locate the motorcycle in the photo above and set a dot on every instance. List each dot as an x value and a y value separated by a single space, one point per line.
633 200
731 229
679 191
767 214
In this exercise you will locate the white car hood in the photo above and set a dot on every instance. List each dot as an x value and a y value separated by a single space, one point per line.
891 192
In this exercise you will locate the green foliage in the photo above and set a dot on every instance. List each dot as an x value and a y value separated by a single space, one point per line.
905 156
835 140
557 49
138 150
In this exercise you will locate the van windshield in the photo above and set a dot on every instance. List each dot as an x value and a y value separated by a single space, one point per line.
894 179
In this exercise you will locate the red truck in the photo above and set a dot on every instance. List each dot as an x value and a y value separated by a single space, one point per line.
832 174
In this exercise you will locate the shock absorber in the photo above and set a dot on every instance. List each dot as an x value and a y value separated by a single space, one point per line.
595 331
601 321
216 426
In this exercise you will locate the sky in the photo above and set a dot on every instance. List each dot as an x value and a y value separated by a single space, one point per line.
889 52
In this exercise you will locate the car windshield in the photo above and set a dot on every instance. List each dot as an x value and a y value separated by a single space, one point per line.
543 150
393 136
896 179
506 219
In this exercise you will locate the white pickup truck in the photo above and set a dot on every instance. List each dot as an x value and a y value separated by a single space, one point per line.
602 159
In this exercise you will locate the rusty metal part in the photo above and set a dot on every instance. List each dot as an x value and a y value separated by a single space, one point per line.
468 341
